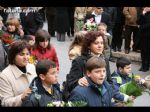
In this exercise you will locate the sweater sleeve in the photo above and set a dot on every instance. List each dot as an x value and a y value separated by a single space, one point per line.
6 94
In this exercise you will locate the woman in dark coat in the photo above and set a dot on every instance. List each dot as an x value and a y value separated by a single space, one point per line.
145 38
93 44
61 22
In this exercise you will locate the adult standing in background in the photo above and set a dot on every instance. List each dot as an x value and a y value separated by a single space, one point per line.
31 20
112 11
50 15
3 13
145 38
61 22
101 16
79 16
117 30
131 26
71 11
17 76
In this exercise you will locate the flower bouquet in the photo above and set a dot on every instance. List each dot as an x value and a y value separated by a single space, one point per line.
90 26
134 88
67 104
32 59
8 39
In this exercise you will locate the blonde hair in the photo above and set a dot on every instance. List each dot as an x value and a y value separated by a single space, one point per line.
78 38
13 21
102 24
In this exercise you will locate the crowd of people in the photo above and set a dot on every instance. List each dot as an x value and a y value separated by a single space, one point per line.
29 63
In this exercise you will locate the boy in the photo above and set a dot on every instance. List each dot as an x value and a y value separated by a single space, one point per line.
102 27
45 87
120 77
99 92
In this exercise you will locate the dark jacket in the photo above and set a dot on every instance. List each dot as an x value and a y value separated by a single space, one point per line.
144 22
112 11
91 94
116 85
105 18
3 57
31 23
40 97
77 71
62 20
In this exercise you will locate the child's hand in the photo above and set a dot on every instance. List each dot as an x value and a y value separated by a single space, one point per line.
131 98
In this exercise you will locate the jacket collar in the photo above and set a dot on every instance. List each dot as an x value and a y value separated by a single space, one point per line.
18 73
105 86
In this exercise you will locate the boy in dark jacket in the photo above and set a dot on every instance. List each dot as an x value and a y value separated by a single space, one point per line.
99 92
120 77
45 86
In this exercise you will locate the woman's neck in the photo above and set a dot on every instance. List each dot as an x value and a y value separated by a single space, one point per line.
23 69
98 55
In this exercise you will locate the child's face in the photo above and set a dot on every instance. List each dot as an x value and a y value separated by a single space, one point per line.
31 42
97 75
44 44
51 77
11 28
102 29
126 70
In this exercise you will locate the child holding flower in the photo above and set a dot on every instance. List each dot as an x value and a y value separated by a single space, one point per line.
45 87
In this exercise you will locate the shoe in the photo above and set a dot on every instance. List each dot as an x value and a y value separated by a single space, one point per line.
119 50
127 51
143 69
136 50
114 50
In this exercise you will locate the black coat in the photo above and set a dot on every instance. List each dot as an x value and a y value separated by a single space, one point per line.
77 71
112 11
62 20
31 23
144 22
107 20
40 97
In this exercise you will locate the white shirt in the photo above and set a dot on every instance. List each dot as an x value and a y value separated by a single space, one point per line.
97 18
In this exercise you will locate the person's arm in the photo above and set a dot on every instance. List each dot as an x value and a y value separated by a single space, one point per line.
109 79
6 93
75 74
116 92
76 96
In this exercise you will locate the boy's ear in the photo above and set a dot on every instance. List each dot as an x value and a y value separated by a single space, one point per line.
42 76
120 69
88 73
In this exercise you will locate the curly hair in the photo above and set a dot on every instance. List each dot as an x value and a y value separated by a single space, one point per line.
89 38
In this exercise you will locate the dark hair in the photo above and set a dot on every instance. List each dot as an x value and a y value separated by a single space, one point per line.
16 48
40 36
95 62
122 62
89 38
89 16
28 37
43 66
